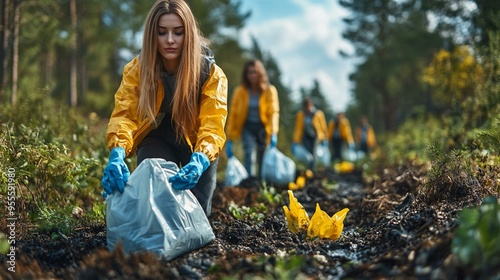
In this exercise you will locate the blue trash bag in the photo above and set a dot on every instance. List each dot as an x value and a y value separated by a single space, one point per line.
235 172
323 155
349 154
276 167
152 216
301 154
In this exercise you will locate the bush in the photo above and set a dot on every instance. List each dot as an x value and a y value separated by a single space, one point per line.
57 155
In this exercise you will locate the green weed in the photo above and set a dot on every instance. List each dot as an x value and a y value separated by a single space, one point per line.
477 242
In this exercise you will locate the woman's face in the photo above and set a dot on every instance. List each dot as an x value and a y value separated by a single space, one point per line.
252 75
170 40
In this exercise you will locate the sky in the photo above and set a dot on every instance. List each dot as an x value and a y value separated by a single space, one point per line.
304 36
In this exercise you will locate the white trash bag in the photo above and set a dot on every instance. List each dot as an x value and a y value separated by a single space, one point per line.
323 155
235 172
151 216
277 167
301 154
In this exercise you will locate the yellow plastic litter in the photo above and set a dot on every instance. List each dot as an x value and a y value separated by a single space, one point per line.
301 181
292 186
298 184
344 167
323 226
296 216
309 174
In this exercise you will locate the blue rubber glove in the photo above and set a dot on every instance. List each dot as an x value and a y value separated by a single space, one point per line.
294 148
325 143
229 149
188 176
116 172
274 140
351 146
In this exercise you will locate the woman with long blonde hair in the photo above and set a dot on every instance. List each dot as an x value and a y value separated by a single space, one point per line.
171 104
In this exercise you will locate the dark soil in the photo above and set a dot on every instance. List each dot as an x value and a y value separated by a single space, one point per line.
391 231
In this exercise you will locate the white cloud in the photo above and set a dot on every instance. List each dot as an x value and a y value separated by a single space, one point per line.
306 47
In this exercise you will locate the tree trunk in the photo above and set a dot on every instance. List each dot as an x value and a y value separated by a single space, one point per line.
73 50
15 51
4 43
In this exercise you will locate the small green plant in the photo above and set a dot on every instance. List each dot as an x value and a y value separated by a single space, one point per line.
287 267
252 213
270 195
59 222
477 239
450 176
4 244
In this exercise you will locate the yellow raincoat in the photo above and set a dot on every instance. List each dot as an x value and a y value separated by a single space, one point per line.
318 122
370 136
344 129
127 129
238 110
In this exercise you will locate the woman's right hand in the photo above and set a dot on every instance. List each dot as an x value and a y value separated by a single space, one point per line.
116 172
229 149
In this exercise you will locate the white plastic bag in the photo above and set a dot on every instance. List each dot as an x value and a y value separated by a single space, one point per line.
323 155
302 154
349 154
235 172
276 167
151 216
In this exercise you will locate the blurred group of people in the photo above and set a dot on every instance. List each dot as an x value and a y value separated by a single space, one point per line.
254 118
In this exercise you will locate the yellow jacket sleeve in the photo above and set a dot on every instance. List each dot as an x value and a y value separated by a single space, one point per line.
299 127
345 131
331 128
211 137
370 136
124 120
238 111
319 123
270 111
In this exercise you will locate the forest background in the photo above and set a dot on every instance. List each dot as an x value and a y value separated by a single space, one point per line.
428 75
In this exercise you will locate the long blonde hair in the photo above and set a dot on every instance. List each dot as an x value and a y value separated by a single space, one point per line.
185 103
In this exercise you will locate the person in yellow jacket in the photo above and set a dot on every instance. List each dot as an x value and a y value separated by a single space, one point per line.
310 128
339 132
253 115
365 137
171 104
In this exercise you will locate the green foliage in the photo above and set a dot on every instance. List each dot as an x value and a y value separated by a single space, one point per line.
282 267
450 175
410 141
273 267
270 195
477 242
58 222
453 76
490 139
57 155
253 213
4 244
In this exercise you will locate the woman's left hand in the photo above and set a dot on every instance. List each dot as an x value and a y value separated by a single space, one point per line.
188 176
274 140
